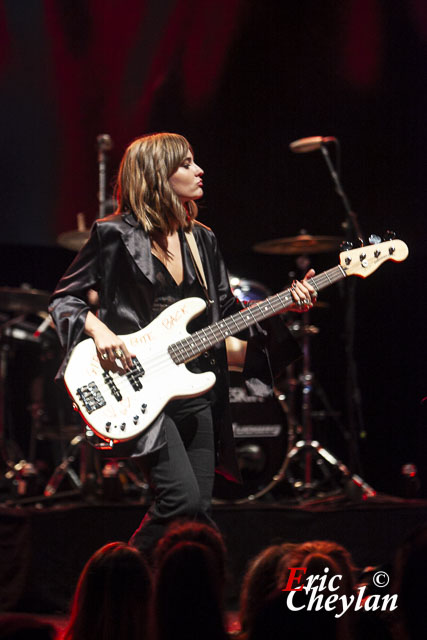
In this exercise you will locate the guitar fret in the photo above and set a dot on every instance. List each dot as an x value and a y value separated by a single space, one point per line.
269 300
235 322
259 306
286 298
251 311
222 324
192 345
276 307
244 317
211 327
205 338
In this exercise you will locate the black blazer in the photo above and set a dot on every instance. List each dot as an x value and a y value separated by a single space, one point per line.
117 262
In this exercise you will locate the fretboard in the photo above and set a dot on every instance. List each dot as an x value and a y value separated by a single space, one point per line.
199 341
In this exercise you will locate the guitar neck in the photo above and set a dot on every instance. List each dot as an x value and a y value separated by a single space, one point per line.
198 342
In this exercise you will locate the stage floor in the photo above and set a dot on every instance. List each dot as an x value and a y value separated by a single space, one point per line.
44 548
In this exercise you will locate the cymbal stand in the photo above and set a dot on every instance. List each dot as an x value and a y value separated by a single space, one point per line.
91 481
65 468
307 447
4 361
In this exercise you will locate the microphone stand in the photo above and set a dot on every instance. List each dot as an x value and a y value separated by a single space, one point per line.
104 143
353 395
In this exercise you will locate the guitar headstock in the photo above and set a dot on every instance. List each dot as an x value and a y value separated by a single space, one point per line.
365 260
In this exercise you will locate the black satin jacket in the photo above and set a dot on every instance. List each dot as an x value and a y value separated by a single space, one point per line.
117 263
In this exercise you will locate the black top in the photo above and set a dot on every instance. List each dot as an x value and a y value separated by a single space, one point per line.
166 293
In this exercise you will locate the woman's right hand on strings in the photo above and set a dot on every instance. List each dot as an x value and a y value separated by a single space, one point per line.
110 348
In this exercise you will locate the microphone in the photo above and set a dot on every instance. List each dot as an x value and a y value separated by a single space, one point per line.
304 145
104 141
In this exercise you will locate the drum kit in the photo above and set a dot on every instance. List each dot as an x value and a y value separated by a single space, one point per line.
274 439
277 454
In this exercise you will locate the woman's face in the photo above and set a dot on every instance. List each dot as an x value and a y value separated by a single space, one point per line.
187 180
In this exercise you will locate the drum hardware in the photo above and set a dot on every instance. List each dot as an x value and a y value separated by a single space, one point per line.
316 459
26 335
104 144
94 479
23 300
4 365
22 476
298 329
303 452
65 469
74 240
259 423
65 434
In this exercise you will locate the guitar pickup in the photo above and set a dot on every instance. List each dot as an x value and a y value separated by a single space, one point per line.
135 374
91 397
115 391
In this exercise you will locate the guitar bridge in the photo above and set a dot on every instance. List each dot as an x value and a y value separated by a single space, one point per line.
135 374
91 397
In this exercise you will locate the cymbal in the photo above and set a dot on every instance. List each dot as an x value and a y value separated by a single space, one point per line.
299 244
65 432
23 300
73 240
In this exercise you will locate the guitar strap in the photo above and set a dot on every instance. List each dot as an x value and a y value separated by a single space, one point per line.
197 263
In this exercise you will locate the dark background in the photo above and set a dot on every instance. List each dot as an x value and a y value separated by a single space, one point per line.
241 79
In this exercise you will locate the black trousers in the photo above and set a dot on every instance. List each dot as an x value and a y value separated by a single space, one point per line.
181 474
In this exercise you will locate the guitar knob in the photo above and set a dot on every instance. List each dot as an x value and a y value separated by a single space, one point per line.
123 426
135 419
143 408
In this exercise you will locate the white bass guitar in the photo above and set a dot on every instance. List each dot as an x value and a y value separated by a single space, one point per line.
119 407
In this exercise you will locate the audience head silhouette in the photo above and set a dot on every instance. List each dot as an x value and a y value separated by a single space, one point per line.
111 601
188 595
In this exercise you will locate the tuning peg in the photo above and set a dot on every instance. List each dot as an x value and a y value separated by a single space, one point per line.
346 245
389 235
374 239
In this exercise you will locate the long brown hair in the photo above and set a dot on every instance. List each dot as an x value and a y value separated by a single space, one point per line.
111 601
143 182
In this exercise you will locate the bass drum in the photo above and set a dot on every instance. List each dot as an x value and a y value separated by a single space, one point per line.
261 440
259 423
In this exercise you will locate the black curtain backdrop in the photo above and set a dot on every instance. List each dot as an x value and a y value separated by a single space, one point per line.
241 79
